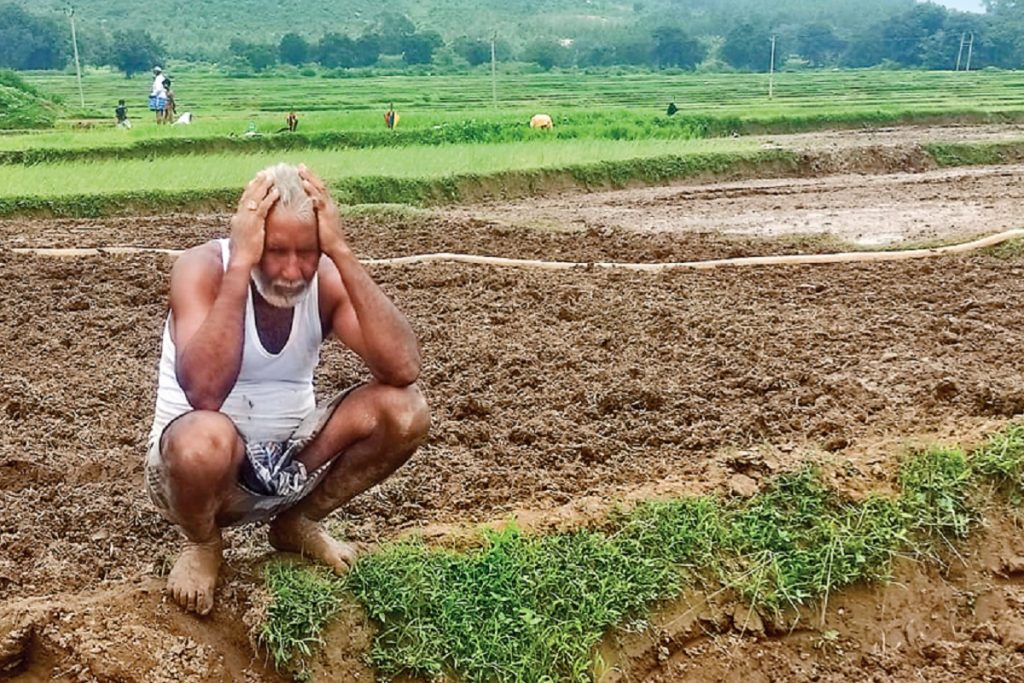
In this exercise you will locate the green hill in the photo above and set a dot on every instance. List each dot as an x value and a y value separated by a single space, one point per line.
188 28
22 106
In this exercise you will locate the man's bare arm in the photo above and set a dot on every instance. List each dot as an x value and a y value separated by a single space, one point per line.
366 321
208 311
363 317
208 303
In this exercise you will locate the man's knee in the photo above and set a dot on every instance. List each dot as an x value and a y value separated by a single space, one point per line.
405 414
201 446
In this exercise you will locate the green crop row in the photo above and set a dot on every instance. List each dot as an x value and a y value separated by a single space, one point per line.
531 608
597 126
522 177
427 191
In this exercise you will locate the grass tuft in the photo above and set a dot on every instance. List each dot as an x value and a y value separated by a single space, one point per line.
303 601
935 497
1001 459
798 541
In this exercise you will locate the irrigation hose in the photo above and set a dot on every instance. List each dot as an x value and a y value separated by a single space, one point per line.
534 264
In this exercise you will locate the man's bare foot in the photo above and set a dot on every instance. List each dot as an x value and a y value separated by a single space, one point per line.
293 532
194 576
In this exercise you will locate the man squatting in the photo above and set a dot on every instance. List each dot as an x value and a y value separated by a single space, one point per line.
238 436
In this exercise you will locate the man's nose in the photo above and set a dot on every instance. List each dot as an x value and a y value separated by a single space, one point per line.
292 270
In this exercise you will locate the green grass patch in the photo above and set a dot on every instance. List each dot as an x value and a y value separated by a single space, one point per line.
522 607
1001 460
935 495
798 541
304 600
975 154
1010 249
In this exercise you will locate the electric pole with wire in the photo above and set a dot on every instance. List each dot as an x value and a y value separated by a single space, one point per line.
960 52
970 51
494 73
70 11
771 72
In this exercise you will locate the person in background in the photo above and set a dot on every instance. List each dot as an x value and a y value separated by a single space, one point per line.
391 117
169 110
672 108
121 111
293 122
158 94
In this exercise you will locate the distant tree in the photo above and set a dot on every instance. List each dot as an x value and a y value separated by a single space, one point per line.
748 46
393 29
865 48
418 48
96 48
545 53
1002 44
293 49
336 50
938 50
905 32
258 56
366 50
135 51
819 44
30 42
673 47
473 50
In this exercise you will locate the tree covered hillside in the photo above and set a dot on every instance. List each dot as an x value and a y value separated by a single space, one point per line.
187 27
254 35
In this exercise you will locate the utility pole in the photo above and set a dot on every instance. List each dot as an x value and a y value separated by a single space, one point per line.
70 11
959 54
771 72
494 73
970 51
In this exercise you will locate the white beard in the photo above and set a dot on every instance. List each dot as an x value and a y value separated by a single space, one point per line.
278 292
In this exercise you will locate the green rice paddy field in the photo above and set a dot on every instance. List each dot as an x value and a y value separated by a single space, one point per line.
449 124
225 105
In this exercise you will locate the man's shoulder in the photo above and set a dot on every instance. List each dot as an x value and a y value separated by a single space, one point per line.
205 258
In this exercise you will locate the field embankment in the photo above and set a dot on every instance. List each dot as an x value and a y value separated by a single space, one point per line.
23 106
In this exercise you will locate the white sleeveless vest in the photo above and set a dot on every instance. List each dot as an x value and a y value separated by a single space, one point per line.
273 392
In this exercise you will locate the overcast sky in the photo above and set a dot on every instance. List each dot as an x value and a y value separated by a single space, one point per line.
964 5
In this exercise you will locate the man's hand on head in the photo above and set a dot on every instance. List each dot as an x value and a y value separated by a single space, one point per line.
332 238
248 225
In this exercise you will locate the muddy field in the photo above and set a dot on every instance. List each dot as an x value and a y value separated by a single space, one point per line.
863 211
554 395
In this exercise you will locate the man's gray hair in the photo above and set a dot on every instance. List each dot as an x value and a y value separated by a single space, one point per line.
292 195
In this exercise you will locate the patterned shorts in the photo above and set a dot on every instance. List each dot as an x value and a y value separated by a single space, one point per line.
270 479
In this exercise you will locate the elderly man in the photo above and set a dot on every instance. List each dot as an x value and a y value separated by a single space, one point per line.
238 436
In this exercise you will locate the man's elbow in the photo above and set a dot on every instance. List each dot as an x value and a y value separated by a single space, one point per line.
199 397
203 400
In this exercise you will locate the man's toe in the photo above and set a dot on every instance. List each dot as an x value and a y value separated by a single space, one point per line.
205 603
